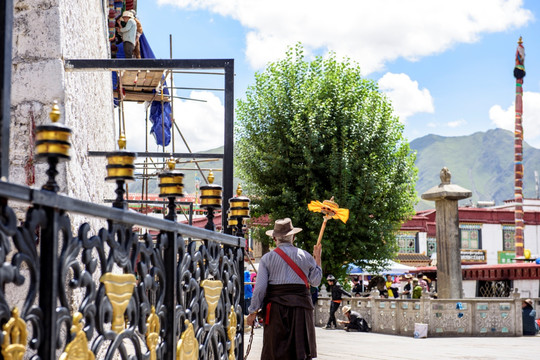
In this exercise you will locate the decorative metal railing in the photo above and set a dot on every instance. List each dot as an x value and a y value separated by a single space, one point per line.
112 292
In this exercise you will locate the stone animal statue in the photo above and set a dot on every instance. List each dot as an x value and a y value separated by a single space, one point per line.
445 175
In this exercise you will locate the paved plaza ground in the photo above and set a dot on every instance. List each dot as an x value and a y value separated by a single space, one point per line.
338 344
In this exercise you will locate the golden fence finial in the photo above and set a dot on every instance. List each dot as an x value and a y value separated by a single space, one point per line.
54 115
122 142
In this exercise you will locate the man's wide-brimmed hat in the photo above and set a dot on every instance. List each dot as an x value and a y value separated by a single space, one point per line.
128 14
528 301
346 309
283 227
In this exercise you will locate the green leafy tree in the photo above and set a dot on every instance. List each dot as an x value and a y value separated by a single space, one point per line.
312 130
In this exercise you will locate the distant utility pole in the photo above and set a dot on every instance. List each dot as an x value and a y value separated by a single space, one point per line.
519 74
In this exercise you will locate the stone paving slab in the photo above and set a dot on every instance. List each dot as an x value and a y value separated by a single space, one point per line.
338 344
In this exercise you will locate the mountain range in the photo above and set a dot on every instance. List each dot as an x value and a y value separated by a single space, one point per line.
482 162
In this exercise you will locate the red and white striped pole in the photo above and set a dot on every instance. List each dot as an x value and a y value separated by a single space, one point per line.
519 74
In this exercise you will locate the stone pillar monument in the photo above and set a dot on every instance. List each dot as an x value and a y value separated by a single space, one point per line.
446 196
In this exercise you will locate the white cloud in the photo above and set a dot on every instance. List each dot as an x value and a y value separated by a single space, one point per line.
370 32
505 118
457 123
407 99
201 123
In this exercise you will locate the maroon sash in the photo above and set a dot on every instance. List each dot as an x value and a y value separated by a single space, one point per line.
293 265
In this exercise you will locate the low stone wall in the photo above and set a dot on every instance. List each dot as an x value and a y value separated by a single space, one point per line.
463 317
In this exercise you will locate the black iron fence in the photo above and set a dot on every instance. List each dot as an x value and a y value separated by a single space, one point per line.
113 292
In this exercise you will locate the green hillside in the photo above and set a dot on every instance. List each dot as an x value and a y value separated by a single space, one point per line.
482 162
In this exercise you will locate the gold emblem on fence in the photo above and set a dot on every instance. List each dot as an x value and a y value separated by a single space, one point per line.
119 290
77 349
14 331
188 346
152 333
231 332
212 292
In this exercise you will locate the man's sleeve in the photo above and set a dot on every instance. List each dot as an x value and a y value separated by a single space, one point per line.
315 273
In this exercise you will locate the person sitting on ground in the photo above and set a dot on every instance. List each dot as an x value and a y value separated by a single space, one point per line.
357 287
128 29
530 327
337 291
416 289
354 321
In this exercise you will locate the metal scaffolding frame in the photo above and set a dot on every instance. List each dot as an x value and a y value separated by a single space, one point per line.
192 66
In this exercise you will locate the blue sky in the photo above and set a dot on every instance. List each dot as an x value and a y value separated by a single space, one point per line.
446 65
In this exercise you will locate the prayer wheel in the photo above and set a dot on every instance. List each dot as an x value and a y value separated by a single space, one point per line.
52 140
171 181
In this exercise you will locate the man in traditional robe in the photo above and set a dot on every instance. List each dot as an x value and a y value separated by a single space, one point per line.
283 293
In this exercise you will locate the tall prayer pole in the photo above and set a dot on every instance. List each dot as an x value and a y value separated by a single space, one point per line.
519 74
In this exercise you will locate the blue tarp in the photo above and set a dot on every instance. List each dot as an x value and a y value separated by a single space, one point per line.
155 110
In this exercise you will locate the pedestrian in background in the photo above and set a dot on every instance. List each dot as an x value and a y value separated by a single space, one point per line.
337 292
530 327
357 287
248 291
416 289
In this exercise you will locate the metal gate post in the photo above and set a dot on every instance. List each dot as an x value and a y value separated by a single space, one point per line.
6 33
228 148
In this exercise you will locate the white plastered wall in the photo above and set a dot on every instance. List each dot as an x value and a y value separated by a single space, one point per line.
45 32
